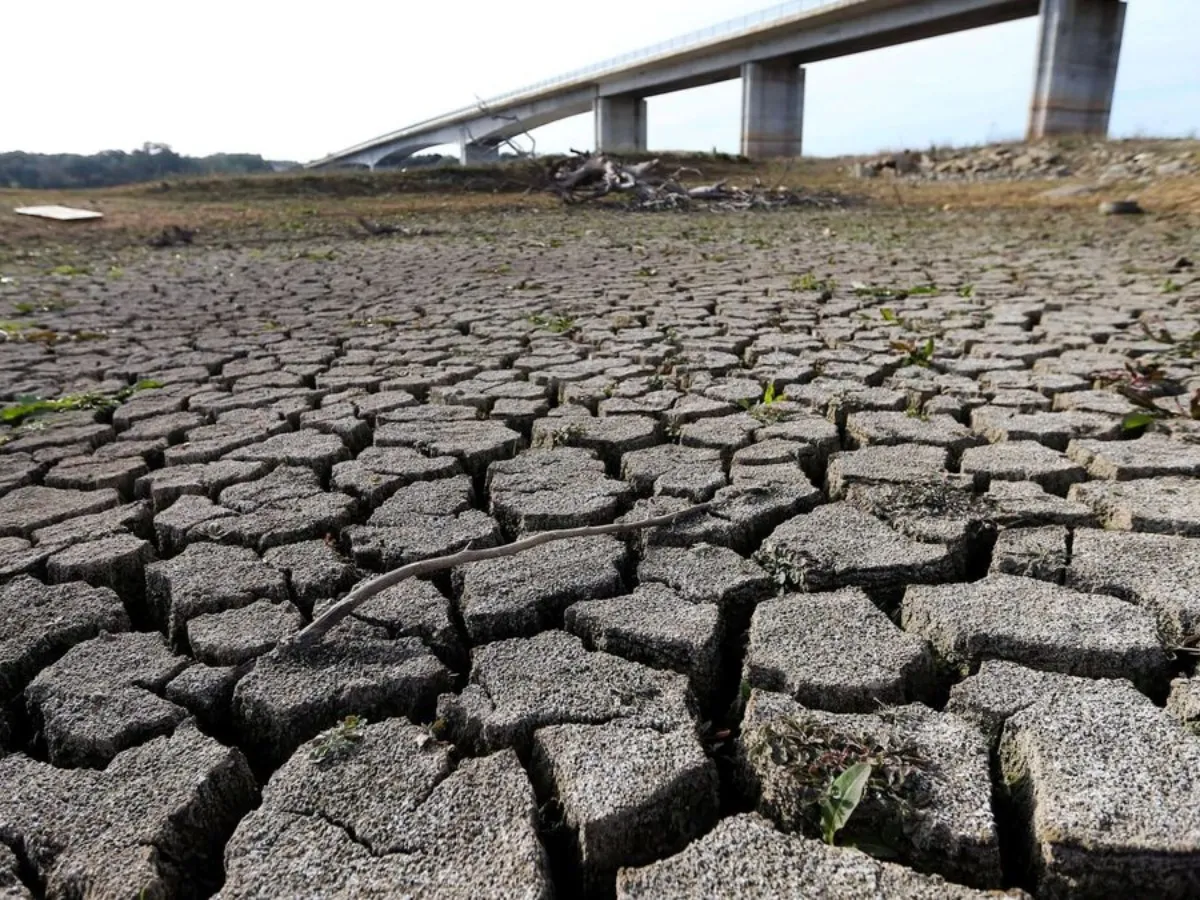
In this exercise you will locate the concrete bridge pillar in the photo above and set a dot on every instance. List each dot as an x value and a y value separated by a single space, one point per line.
772 109
472 154
1078 48
620 124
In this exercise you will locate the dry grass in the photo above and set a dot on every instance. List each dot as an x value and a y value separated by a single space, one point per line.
256 210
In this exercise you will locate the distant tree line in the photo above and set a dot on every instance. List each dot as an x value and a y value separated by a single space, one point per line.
113 167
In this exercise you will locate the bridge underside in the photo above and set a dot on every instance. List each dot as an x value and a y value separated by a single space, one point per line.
1079 45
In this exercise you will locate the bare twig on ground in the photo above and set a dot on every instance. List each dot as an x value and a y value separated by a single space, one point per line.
319 626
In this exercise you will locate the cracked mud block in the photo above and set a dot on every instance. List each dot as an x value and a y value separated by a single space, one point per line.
165 486
1149 456
116 562
1001 689
520 685
293 693
725 434
153 823
413 608
817 439
172 427
869 429
280 486
173 525
693 473
234 430
775 453
1184 702
42 623
1055 430
1032 552
704 573
522 595
424 519
835 651
936 811
547 489
475 444
89 474
945 512
627 795
421 537
739 518
1097 401
208 578
391 816
1157 505
11 886
1037 624
119 520
19 557
746 858
17 470
311 449
234 636
1023 503
27 509
285 507
84 436
315 571
378 472
1021 461
656 626
102 697
1108 787
838 545
610 437
1157 571
205 691
884 465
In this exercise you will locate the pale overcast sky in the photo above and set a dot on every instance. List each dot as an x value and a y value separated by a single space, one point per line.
295 81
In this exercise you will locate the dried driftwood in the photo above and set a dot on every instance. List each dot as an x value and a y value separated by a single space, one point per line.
317 628
584 177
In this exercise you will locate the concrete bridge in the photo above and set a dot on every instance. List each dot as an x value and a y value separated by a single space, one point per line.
1079 44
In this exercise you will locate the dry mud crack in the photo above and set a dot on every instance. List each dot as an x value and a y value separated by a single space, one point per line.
929 534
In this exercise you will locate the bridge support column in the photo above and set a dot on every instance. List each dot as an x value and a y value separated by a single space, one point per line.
1078 47
620 124
772 109
471 154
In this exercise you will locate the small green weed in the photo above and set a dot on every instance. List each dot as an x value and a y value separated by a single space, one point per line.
1170 286
915 354
28 407
70 271
338 741
842 798
827 772
555 324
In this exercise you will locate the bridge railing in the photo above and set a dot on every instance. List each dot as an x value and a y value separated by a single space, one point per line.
749 22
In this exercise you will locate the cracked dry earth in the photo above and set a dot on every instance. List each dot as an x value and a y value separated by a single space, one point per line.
968 563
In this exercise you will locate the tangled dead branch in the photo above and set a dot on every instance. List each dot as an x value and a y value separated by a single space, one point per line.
583 177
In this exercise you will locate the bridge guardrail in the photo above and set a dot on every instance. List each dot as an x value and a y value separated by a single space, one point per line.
749 22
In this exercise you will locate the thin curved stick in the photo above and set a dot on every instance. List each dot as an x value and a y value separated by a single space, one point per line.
317 628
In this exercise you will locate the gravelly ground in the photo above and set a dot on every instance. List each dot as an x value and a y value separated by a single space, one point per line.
967 573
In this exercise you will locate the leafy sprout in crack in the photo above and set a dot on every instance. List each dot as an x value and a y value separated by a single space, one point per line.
842 798
556 324
915 354
824 773
338 741
766 409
